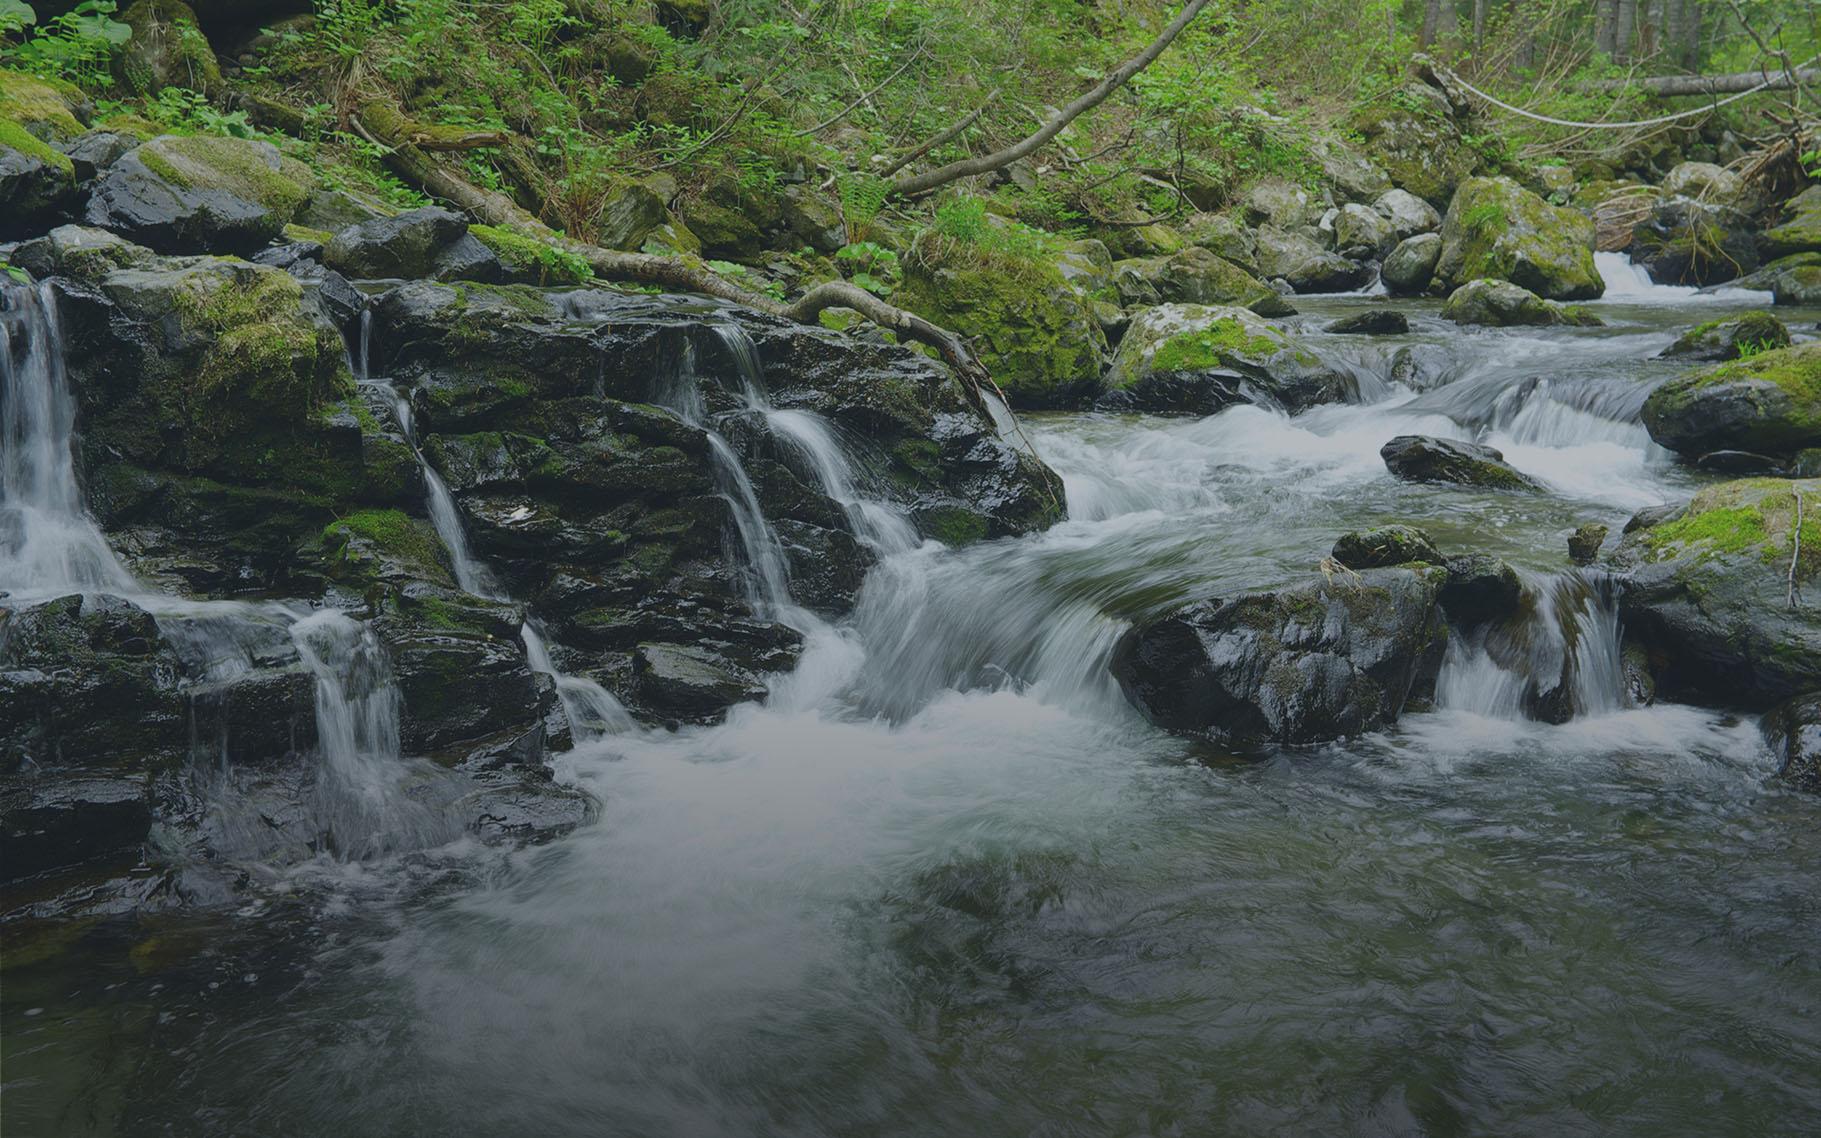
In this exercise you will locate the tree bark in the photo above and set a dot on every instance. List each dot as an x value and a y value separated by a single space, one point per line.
1432 21
1669 86
1052 126
1625 29
1479 24
382 124
1605 25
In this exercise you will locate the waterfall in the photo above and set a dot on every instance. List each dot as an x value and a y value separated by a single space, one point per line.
591 708
883 528
363 793
48 542
1556 658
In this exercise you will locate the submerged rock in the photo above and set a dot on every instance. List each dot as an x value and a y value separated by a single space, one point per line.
1299 665
1708 591
1372 322
1188 359
1769 404
1420 458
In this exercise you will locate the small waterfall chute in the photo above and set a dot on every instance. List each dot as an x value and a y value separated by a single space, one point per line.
1557 658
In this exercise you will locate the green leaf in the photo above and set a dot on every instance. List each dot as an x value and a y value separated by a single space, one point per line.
16 14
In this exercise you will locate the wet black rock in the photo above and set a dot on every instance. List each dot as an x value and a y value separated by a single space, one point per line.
1386 546
691 682
1372 322
1584 543
1793 731
428 244
200 194
1319 661
55 822
1420 458
1480 588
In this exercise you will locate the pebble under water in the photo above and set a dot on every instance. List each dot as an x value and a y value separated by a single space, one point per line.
947 882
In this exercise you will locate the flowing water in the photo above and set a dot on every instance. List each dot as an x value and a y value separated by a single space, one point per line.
945 882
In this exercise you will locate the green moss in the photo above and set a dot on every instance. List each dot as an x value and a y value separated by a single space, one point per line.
235 165
22 140
392 531
1795 370
525 254
1751 515
46 104
952 526
1203 350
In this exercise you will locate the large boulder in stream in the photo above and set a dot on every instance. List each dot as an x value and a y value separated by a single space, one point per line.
1037 335
1769 404
1501 304
1707 591
1192 360
1749 333
1497 230
1303 664
1295 257
1421 458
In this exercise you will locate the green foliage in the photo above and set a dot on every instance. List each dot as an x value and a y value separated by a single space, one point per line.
874 267
76 45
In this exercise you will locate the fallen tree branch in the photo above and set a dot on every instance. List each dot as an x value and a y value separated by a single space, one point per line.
939 138
1673 86
968 167
865 96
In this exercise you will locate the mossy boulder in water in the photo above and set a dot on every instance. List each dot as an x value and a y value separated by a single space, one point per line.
1801 233
1295 257
1748 333
1411 264
184 194
1303 664
1386 546
1420 458
1036 335
1501 304
1190 359
1769 404
1707 592
1497 230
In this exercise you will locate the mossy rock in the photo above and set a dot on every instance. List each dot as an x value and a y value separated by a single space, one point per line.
1418 145
1800 234
1769 404
1385 546
81 254
166 49
198 193
1497 230
1036 335
1191 359
1501 304
49 110
1748 333
1707 590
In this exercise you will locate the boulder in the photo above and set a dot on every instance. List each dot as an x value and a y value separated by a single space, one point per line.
1415 138
1189 359
1361 234
1793 732
1801 233
1497 230
814 219
1712 185
1196 276
1419 458
1687 242
1386 546
166 49
1706 591
692 682
1748 333
429 243
1298 259
1480 588
1226 238
1797 285
1501 304
1769 404
1410 266
201 193
1036 335
632 212
1302 664
1407 214
1372 322
1278 203
1353 177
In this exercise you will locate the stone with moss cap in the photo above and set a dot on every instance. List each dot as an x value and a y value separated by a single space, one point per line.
1501 304
1768 404
1495 229
36 179
193 194
1414 138
1749 333
166 49
1193 359
1036 335
1420 458
1707 592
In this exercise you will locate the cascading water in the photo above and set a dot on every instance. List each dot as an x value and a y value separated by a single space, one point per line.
48 542
592 710
1556 659
363 798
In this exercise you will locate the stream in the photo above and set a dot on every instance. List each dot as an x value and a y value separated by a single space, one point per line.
947 882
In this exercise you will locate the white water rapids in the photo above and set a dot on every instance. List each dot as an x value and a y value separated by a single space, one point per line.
946 882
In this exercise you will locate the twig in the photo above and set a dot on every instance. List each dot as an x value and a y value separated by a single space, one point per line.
865 96
938 139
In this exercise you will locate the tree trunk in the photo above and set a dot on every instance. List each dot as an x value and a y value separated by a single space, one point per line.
1479 24
1432 19
1605 24
1691 34
1669 86
384 125
1625 29
918 183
